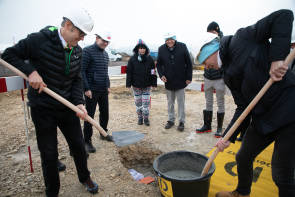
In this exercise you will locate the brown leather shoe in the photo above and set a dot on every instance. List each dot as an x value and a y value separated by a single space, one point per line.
230 194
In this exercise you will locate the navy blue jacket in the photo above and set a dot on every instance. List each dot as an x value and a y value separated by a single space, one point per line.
95 69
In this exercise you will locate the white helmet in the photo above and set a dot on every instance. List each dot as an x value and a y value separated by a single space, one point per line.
81 19
170 35
103 34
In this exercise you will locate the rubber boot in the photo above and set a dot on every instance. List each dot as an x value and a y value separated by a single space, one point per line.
220 117
207 122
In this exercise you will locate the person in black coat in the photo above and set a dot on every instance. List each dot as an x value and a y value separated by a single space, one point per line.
55 62
141 76
175 70
249 59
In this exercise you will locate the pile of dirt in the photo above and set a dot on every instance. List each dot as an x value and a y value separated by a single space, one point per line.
142 153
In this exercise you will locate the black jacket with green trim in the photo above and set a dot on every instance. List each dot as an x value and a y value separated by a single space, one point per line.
47 56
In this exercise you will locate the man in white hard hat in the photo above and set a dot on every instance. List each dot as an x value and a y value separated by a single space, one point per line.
96 85
175 70
249 59
54 62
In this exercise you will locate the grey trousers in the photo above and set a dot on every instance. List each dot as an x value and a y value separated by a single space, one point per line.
180 96
219 86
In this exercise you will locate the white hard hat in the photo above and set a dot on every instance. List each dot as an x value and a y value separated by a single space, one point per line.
103 34
170 36
81 19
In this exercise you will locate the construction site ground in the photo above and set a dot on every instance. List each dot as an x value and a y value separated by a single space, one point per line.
109 165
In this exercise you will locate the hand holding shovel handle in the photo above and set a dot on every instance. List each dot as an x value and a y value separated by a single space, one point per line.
57 97
208 164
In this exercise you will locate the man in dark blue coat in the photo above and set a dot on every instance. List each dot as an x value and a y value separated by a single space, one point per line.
249 59
96 82
175 70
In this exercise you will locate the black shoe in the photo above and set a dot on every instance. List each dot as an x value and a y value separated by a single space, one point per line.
89 147
60 166
146 122
140 121
169 124
108 138
91 186
180 126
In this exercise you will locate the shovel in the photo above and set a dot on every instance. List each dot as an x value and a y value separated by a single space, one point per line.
237 123
120 139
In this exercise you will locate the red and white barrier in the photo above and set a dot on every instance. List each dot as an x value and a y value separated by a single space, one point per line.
12 83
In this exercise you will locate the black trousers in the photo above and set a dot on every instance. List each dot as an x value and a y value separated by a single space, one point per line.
102 99
46 122
283 159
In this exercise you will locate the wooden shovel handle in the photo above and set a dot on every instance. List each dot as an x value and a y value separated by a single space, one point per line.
237 123
57 97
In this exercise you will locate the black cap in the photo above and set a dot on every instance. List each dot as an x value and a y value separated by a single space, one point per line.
213 26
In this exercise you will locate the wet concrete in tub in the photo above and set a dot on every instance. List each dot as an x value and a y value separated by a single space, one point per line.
183 174
181 166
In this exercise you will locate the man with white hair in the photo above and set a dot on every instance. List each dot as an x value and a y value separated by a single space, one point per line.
96 84
54 62
249 59
175 70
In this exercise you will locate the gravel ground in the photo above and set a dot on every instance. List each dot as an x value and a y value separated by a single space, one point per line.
109 164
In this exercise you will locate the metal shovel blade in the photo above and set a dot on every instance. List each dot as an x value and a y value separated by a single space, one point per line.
123 138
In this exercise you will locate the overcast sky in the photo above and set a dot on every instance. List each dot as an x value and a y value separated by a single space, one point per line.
129 20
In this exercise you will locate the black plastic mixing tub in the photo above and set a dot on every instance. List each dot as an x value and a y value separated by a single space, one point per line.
179 174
